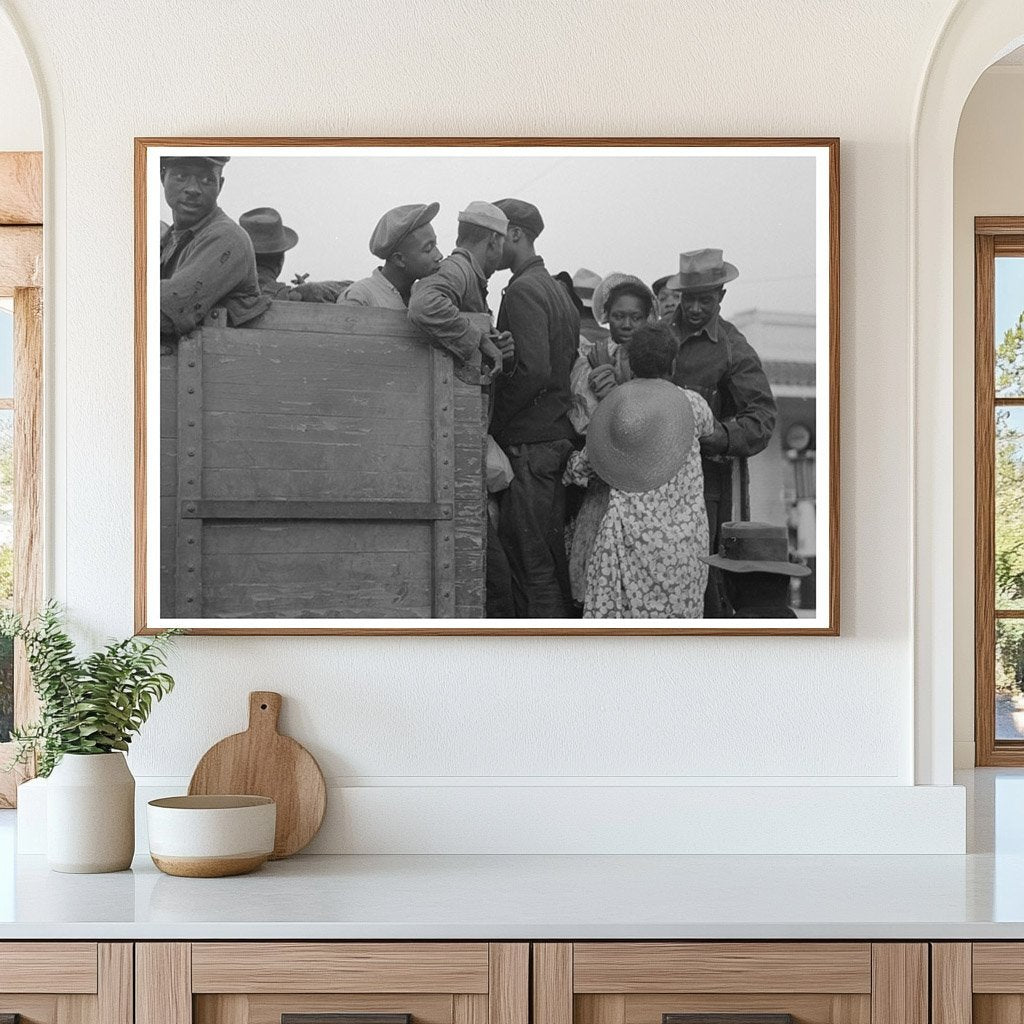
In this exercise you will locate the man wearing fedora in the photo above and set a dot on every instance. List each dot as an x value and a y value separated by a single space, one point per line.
530 419
756 570
717 362
271 240
206 259
404 239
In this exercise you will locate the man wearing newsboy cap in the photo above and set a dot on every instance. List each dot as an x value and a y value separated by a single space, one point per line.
206 259
404 239
717 362
459 285
271 239
531 419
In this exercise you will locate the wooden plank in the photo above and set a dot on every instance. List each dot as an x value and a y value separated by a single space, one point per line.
470 496
469 1009
951 983
267 1009
604 1009
21 188
399 476
721 967
224 1009
508 994
443 490
806 1008
999 226
168 532
66 967
552 983
163 983
998 967
339 967
362 511
31 1009
76 1009
28 484
189 592
116 997
21 259
899 992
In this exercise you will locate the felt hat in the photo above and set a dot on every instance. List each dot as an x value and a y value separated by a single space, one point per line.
755 547
522 214
606 285
485 215
640 434
584 282
218 161
397 223
701 270
268 234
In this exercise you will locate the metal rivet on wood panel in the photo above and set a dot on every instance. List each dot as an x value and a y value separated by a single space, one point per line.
190 599
446 462
191 391
191 481
191 540
191 362
191 508
191 423
191 568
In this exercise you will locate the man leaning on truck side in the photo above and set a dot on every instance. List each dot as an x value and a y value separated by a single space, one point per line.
206 259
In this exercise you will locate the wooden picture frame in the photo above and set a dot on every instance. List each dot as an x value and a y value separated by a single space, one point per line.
449 517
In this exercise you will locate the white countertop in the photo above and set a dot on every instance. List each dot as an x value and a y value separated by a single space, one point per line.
977 896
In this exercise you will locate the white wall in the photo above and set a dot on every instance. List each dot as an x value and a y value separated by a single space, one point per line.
21 127
987 182
443 713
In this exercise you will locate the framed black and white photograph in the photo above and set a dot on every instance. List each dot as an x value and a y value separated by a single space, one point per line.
444 386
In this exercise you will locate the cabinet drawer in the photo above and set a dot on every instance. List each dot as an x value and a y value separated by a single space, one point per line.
65 967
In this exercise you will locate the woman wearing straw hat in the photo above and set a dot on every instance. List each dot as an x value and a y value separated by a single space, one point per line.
644 442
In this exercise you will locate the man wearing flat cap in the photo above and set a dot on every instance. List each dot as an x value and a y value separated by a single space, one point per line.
206 259
271 239
404 239
717 362
531 419
459 285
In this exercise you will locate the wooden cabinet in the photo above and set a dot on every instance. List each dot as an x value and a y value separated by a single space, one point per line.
979 982
310 982
758 982
66 982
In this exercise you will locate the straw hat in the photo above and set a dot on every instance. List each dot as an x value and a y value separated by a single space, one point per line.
755 547
640 435
606 285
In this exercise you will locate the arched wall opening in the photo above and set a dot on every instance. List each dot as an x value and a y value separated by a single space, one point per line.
977 33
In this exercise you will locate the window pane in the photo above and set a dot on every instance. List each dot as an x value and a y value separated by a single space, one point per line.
1009 338
1009 574
6 567
6 353
1009 679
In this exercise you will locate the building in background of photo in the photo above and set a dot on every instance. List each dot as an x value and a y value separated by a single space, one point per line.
782 477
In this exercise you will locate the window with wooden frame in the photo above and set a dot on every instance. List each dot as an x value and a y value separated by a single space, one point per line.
999 490
21 363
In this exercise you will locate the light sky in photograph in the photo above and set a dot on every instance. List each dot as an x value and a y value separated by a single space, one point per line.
627 210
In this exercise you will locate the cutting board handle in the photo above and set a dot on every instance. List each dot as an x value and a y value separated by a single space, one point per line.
264 710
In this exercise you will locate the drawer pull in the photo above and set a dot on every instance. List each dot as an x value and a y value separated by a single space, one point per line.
727 1018
339 1018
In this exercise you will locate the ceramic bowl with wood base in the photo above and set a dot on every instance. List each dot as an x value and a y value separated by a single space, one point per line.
211 836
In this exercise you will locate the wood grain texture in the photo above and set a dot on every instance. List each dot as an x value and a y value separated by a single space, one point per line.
65 967
998 1009
951 983
899 991
76 1009
805 1008
29 1009
224 1009
552 983
339 967
268 1009
21 258
469 557
603 1009
998 967
346 1018
469 1009
21 188
163 983
262 762
757 967
115 997
509 983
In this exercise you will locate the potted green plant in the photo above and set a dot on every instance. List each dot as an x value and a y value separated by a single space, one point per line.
89 710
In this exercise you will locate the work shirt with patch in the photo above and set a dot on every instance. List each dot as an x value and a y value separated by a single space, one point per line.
375 290
721 366
457 286
209 264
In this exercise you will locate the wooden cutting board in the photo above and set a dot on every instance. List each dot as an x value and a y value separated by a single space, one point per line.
262 762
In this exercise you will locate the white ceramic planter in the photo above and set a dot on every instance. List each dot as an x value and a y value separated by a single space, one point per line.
90 814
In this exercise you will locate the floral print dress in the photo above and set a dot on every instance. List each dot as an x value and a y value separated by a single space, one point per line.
644 562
